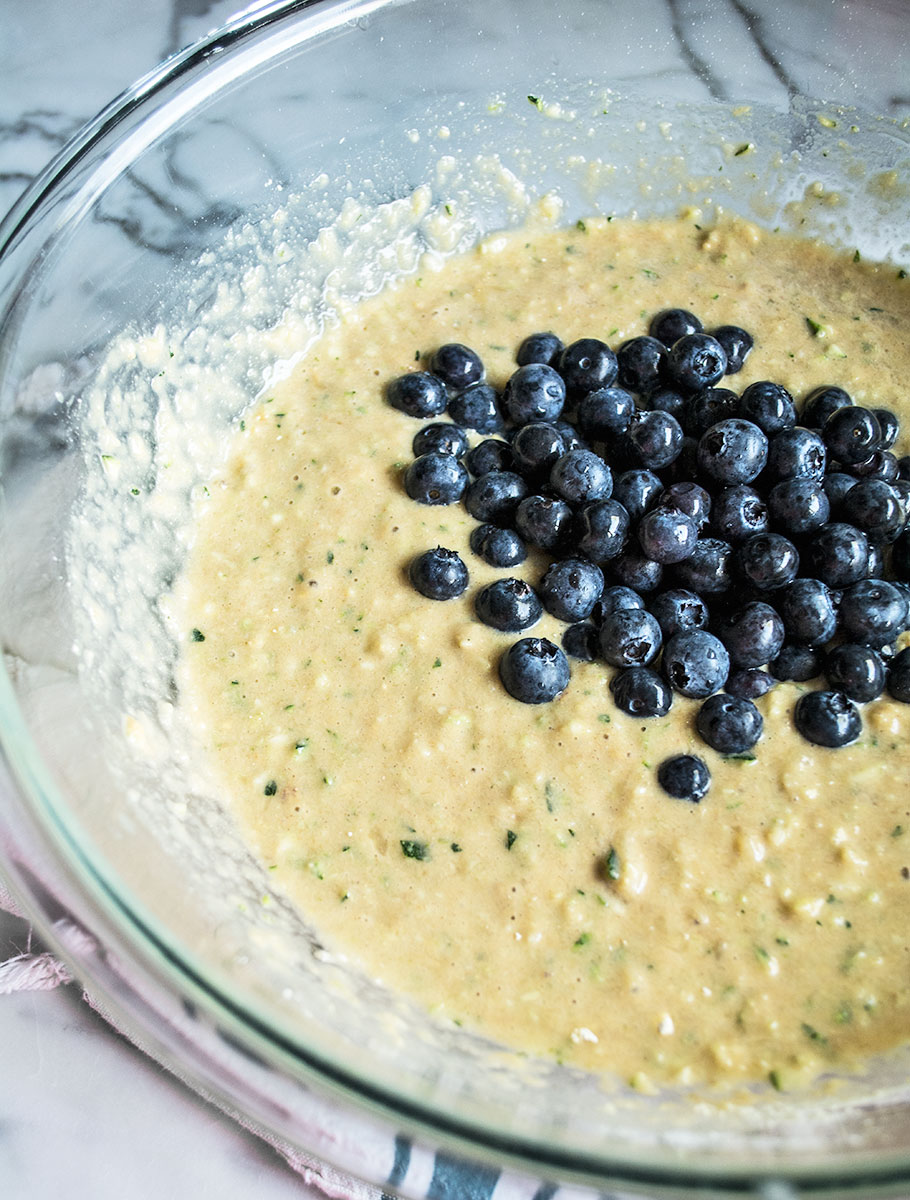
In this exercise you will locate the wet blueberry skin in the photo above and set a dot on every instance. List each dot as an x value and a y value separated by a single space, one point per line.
580 476
586 365
767 561
630 637
873 612
796 662
634 569
442 437
706 408
641 363
508 604
807 609
796 453
492 454
478 408
534 392
857 671
535 448
798 506
419 394
534 671
605 413
640 692
707 570
898 681
435 479
570 588
439 574
539 348
851 434
827 718
667 535
729 724
738 512
838 555
653 440
602 530
495 496
733 451
821 403
684 777
457 365
737 343
582 641
695 663
637 491
497 546
678 610
670 324
615 598
696 361
752 634
874 507
545 522
750 684
769 406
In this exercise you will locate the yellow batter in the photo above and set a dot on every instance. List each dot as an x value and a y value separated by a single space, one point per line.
517 868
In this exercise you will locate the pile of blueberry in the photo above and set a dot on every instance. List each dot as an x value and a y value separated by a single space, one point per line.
702 542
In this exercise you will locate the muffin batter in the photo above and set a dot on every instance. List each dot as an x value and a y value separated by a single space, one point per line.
517 869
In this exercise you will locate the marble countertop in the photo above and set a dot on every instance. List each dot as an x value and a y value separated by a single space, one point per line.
82 1113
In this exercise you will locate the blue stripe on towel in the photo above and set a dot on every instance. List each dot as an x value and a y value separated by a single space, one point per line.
454 1179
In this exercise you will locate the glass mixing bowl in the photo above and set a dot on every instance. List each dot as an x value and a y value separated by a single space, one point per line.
179 227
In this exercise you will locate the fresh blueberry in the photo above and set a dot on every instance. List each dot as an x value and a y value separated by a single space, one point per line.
605 413
570 588
602 530
495 496
435 479
497 546
637 491
630 637
769 406
733 451
807 609
695 663
671 324
799 663
477 407
796 454
669 400
749 684
739 512
545 522
492 454
821 403
678 611
580 476
851 434
707 569
836 485
729 724
582 641
534 392
689 498
667 535
536 448
798 506
838 555
418 394
898 683
457 366
767 561
442 437
880 465
873 612
857 671
641 362
684 777
875 565
706 408
438 574
753 634
889 426
827 719
737 344
587 365
571 436
508 604
634 569
641 692
653 439
539 348
534 671
696 361
875 507
616 598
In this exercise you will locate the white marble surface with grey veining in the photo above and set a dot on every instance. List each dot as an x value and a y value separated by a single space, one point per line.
83 1114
